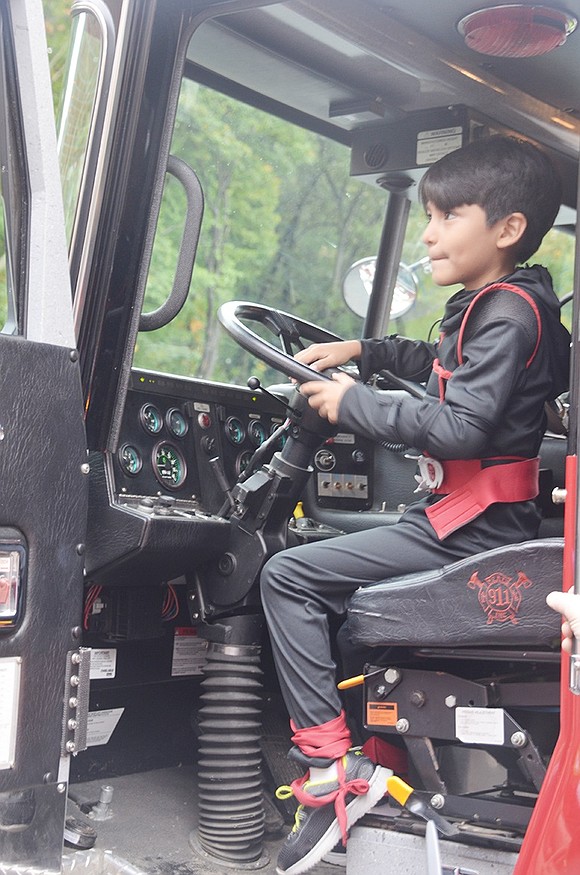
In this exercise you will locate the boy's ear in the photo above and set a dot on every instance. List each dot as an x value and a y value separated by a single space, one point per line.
511 230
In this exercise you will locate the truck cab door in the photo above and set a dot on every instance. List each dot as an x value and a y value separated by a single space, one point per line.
43 470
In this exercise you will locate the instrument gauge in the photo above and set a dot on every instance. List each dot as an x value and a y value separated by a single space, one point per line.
169 465
176 422
243 461
130 459
235 431
256 432
283 436
151 419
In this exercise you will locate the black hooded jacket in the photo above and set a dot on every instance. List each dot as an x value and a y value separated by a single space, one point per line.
494 400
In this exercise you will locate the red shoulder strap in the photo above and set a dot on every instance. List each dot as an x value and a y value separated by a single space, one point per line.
510 288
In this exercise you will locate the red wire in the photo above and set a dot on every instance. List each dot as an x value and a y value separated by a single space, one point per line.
93 593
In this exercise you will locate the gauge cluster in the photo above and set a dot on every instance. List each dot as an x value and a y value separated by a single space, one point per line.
156 448
185 439
157 502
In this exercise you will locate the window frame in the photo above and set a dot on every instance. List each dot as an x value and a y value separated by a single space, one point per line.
15 189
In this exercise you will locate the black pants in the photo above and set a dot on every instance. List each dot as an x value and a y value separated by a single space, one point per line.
303 585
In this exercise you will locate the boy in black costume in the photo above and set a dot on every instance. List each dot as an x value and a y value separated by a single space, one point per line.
502 353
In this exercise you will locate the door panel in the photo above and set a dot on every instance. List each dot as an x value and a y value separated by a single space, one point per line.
43 470
43 498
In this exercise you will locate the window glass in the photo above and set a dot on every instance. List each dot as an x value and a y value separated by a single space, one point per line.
3 262
13 191
76 112
283 222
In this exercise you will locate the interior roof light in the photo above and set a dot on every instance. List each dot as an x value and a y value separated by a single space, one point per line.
516 31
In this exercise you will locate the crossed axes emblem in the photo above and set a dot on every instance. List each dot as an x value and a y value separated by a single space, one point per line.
500 596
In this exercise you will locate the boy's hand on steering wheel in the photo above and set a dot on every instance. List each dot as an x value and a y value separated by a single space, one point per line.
321 356
325 397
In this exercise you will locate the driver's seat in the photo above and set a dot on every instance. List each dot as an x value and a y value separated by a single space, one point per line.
474 685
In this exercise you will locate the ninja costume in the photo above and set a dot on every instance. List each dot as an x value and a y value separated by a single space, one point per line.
487 380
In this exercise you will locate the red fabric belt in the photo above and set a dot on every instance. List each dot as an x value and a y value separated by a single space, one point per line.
470 488
330 740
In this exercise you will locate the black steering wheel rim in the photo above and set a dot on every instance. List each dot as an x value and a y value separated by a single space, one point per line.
230 315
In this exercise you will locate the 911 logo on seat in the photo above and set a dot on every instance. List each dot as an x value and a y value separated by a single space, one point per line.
500 596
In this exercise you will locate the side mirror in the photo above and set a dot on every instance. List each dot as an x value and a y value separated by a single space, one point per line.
358 284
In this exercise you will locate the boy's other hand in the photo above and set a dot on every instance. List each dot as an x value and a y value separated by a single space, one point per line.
321 356
325 397
567 604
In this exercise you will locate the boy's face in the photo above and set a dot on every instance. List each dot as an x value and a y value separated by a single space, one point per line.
464 249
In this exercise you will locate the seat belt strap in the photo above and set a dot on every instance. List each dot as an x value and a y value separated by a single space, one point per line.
514 481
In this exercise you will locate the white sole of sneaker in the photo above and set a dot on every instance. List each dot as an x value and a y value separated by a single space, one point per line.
336 858
355 809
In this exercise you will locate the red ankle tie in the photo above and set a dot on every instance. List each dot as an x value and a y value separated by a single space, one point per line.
329 740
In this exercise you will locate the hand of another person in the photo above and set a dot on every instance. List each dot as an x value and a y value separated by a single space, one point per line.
325 396
321 356
567 604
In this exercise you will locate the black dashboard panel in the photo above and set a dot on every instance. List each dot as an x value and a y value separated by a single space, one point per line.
221 427
157 503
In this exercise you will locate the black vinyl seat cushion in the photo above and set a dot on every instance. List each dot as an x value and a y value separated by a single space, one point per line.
496 598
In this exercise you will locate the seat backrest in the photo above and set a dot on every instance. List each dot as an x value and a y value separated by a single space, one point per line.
496 598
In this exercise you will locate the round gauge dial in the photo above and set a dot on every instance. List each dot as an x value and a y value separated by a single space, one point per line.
243 461
256 432
176 422
151 419
235 431
130 459
282 438
169 465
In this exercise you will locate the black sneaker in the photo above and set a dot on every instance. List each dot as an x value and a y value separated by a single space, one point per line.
328 809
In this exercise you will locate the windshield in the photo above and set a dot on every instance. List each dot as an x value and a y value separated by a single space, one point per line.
283 223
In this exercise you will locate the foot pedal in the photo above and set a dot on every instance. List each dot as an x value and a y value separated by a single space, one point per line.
79 832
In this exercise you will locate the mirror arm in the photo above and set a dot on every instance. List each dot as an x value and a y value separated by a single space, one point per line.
387 267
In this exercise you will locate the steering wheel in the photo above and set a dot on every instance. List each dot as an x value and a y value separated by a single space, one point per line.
290 329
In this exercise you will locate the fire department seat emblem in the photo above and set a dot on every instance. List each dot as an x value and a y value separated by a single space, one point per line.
500 596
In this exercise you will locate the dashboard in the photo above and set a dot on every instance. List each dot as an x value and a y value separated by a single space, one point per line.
190 440
157 504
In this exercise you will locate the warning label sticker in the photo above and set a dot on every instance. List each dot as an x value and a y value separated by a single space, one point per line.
9 694
103 663
101 725
382 713
433 145
189 652
480 725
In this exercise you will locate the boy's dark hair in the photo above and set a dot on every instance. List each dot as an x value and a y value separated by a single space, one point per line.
502 175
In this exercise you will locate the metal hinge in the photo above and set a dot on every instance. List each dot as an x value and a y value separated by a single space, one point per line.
76 701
